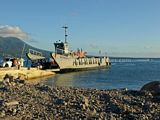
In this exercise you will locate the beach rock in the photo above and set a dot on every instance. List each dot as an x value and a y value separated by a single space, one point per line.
92 113
12 103
27 101
2 114
22 76
156 99
59 102
153 87
8 77
85 101
6 82
105 97
19 81
1 101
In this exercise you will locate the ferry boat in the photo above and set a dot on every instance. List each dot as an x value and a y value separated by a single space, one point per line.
75 61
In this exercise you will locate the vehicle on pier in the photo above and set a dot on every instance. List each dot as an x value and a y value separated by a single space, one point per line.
6 62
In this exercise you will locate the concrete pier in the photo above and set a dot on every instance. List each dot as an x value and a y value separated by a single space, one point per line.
25 73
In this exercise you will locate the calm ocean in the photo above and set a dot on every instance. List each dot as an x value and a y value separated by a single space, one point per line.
131 75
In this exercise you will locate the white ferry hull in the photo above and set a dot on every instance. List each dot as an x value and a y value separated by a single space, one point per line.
72 63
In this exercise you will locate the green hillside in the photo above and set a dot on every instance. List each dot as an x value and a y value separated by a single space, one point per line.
11 46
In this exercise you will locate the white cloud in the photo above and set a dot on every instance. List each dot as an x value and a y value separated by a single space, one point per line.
13 31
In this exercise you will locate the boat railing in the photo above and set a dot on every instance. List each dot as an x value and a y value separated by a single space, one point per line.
34 52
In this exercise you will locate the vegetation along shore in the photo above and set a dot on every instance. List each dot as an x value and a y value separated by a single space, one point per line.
21 100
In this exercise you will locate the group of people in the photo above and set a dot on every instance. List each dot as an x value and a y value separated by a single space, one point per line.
17 62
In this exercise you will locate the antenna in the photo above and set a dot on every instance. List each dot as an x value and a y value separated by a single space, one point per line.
65 31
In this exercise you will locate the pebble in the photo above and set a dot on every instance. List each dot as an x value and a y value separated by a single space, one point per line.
12 103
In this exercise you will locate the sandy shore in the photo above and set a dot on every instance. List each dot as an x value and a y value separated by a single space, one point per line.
19 100
24 73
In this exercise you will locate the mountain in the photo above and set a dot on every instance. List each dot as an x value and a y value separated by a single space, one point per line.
11 46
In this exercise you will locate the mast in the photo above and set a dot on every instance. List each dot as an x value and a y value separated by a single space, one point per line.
23 50
65 33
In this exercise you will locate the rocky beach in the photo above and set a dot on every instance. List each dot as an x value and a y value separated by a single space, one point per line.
24 101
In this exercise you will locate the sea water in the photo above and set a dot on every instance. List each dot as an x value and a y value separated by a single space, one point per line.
131 75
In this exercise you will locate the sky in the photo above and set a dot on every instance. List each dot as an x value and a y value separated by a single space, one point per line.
128 28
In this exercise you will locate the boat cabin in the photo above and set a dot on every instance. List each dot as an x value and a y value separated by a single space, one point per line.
61 48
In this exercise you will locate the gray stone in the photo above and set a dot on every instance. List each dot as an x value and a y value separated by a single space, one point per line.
59 102
156 99
2 114
153 87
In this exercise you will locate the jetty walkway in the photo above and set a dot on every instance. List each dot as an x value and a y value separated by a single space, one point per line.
25 73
